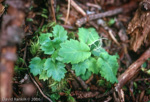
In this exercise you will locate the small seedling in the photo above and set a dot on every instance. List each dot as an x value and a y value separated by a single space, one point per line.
86 55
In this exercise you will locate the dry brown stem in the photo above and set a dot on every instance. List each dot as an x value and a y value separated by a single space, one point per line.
68 11
53 10
40 89
78 8
83 20
132 71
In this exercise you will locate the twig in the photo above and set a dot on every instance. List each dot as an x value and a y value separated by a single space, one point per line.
131 71
110 31
122 96
105 94
93 5
83 20
68 11
78 8
24 55
142 95
82 83
142 79
40 89
131 91
115 97
108 99
84 94
112 36
69 27
94 25
52 9
89 80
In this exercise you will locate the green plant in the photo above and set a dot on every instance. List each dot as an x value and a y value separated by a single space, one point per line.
57 87
34 47
111 22
86 55
44 13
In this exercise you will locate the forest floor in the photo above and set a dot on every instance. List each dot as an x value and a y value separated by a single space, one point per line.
80 50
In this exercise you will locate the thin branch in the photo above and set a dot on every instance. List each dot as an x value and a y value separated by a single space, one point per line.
112 36
52 9
78 8
68 11
105 94
40 89
82 83
83 20
131 72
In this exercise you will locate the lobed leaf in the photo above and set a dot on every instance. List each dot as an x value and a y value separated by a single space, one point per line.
46 43
74 51
88 36
43 38
55 70
86 75
98 51
92 66
80 68
60 33
43 75
36 65
56 43
108 66
48 48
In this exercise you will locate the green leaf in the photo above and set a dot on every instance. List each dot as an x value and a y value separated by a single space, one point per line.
46 43
36 65
144 65
111 22
80 68
93 66
96 44
74 51
44 10
55 96
108 66
88 36
56 57
86 75
44 37
35 46
29 20
20 61
47 48
44 15
56 43
55 70
43 75
101 82
60 33
98 51
17 69
71 99
96 48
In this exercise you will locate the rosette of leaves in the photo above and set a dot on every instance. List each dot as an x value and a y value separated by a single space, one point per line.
85 54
